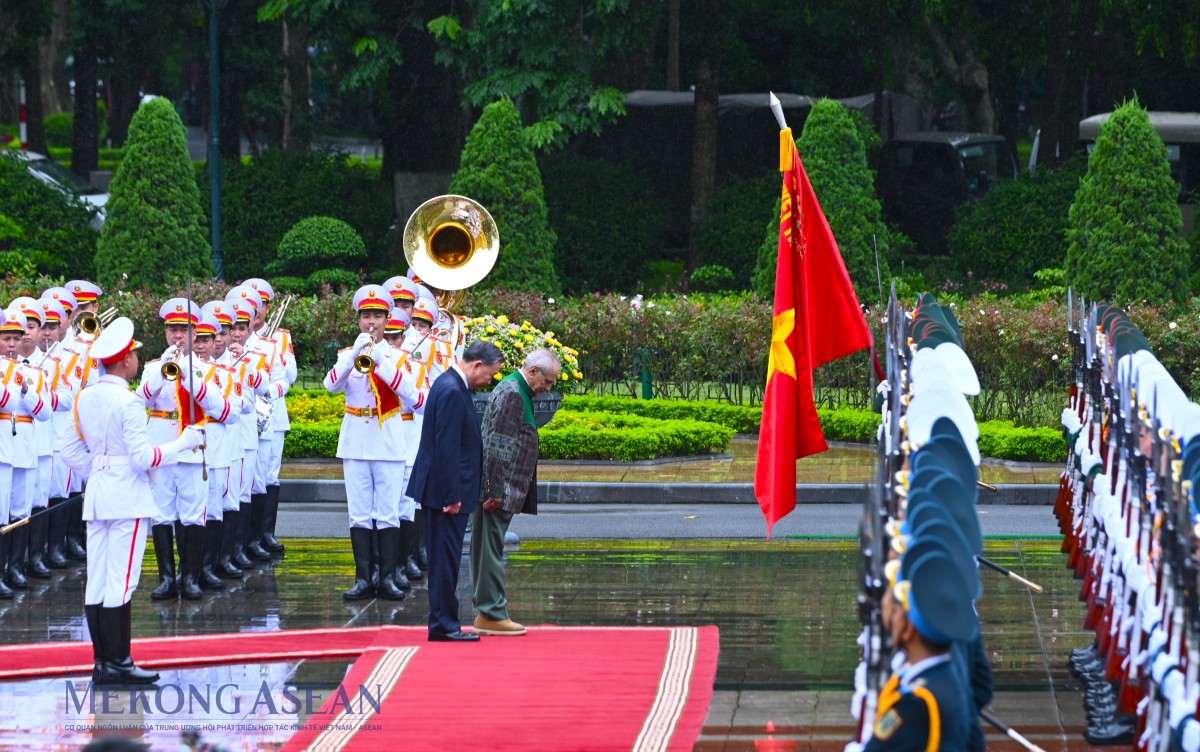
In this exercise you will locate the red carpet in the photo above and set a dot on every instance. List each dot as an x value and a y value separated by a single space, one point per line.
557 688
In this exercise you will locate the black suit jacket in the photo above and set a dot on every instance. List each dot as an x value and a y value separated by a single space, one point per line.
449 464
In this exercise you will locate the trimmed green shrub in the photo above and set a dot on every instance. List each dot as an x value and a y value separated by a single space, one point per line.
731 232
315 405
601 435
848 424
602 244
60 127
1002 440
327 245
739 418
287 284
309 439
1017 229
763 279
264 197
155 229
498 169
335 279
56 235
712 278
1125 222
835 158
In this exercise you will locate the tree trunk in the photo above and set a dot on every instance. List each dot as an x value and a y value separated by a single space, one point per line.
1066 69
125 100
297 130
673 46
967 72
704 138
85 151
35 133
55 89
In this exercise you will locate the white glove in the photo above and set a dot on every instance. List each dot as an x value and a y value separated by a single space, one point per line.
191 438
362 341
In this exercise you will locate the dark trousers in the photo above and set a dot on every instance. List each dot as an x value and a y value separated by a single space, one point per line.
444 545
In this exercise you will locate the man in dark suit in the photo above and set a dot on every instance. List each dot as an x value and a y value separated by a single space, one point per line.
447 477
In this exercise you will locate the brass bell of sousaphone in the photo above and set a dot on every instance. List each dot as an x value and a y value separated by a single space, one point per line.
451 243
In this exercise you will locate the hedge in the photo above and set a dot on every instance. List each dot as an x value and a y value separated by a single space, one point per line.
739 418
604 435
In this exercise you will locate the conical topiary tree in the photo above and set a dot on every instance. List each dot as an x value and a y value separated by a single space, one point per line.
1123 236
498 169
155 229
834 151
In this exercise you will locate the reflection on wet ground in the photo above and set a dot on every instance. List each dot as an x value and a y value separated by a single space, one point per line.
786 611
843 463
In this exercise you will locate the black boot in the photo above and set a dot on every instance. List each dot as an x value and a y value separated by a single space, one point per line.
254 549
37 546
408 551
116 623
164 553
238 557
74 535
56 531
360 543
225 568
208 557
99 649
422 555
392 583
17 549
5 592
191 554
1119 731
270 515
375 555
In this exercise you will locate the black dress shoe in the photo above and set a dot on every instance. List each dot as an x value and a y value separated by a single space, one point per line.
453 637
1111 734
121 673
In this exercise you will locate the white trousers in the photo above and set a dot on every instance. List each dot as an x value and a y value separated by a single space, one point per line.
24 488
222 495
60 478
246 476
373 492
180 493
6 491
408 505
270 457
45 481
114 560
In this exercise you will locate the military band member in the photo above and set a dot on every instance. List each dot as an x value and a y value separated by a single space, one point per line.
176 400
53 332
44 432
34 406
403 291
410 542
371 443
110 445
417 358
11 392
87 300
82 372
266 482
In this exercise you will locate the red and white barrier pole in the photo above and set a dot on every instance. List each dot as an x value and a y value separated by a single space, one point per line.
23 133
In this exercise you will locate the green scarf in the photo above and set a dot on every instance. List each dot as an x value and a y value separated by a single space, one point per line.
526 395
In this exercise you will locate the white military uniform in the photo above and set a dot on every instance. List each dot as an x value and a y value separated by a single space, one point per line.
284 372
372 445
33 406
110 447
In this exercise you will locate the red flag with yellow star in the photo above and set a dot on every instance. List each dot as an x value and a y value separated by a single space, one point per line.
817 319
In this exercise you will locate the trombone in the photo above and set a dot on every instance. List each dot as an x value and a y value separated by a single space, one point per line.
363 362
272 325
91 323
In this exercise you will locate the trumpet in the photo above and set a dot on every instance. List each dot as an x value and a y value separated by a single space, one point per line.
91 323
171 370
363 362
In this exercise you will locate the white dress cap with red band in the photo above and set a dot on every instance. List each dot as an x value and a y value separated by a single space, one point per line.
63 296
115 342
261 286
84 291
178 311
29 307
245 295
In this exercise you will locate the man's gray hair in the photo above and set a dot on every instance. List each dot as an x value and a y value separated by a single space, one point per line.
545 360
485 351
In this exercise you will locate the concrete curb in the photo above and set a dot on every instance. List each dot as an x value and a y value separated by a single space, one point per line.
559 492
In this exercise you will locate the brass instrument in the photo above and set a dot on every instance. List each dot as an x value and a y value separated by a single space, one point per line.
363 362
171 370
262 404
451 242
91 323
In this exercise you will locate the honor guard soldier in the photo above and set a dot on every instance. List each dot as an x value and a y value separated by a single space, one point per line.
233 433
372 442
34 406
403 291
78 371
410 542
174 391
53 332
278 345
12 391
87 300
59 399
417 357
111 447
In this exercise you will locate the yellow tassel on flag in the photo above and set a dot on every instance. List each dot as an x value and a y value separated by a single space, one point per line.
786 149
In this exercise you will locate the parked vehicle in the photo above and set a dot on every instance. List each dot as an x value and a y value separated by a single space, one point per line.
924 177
52 173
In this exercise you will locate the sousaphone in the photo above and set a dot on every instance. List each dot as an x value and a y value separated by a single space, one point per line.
451 243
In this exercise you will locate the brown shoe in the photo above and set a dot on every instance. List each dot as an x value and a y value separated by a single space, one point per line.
498 628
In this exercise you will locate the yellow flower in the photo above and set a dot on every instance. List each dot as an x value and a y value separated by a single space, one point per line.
518 344
501 320
491 330
565 377
529 337
578 375
497 376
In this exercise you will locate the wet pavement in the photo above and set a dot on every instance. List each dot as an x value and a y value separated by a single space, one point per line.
843 463
786 612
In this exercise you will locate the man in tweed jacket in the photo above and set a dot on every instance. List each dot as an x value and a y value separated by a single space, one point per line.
510 454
